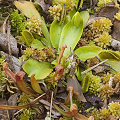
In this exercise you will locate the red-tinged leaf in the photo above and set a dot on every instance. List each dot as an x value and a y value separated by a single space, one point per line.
8 71
67 113
80 117
58 74
35 84
22 85
7 107
60 110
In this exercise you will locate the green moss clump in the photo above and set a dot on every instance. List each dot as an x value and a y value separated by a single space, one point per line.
105 91
114 108
47 54
91 83
17 22
101 3
117 16
34 25
97 33
94 85
106 78
30 112
112 113
6 84
117 77
103 40
56 10
100 26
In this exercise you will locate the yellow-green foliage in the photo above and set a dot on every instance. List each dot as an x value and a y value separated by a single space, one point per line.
114 108
117 77
69 5
34 25
105 91
27 113
99 26
24 99
98 33
104 114
5 82
103 2
94 84
117 16
46 54
17 22
106 78
56 10
103 40
91 83
112 113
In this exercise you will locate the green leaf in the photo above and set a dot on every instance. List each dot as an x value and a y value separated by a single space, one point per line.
29 10
114 63
85 82
27 37
55 33
36 44
109 54
113 58
71 33
87 52
40 69
85 16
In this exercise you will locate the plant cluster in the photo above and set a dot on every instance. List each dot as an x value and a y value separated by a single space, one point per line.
34 25
113 112
117 16
52 57
60 8
98 32
5 82
17 22
46 54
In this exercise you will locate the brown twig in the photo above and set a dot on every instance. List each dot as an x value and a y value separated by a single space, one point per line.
93 67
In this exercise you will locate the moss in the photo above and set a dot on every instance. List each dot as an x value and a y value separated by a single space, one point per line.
114 108
30 112
56 10
46 54
17 22
103 2
112 113
117 16
105 91
106 78
34 25
94 85
117 77
100 26
91 83
6 84
97 33
103 40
